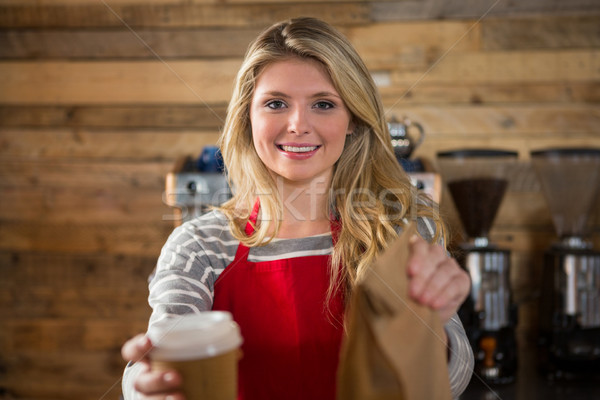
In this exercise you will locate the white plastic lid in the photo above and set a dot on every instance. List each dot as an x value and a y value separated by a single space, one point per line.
192 336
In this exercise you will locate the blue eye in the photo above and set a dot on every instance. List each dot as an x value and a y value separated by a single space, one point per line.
324 105
275 104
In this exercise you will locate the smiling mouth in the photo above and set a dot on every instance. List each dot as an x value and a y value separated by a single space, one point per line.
298 149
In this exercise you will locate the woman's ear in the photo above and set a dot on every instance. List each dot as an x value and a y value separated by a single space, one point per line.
350 130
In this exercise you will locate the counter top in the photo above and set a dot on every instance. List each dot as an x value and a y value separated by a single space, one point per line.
531 385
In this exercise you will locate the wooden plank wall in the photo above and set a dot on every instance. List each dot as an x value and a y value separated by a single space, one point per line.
98 98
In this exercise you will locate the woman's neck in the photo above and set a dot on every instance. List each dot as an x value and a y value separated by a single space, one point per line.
305 209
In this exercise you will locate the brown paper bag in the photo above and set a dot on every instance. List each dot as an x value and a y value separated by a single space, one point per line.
394 348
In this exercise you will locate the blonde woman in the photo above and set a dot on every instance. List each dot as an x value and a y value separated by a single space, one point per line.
318 194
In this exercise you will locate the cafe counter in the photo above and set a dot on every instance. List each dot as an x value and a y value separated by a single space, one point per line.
531 385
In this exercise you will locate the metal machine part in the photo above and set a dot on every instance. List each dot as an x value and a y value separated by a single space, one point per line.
490 286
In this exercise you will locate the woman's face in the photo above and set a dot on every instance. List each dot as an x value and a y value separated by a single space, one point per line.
299 121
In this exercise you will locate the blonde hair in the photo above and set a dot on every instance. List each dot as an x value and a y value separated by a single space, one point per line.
370 193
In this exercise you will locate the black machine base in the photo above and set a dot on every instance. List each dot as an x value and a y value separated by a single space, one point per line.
570 354
496 359
569 339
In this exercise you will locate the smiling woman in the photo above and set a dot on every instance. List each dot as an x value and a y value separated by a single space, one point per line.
318 195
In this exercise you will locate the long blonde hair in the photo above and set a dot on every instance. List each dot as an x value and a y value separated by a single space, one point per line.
370 193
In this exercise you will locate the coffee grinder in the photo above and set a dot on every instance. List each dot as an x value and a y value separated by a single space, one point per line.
569 335
477 181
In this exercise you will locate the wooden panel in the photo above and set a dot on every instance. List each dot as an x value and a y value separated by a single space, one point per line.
506 67
440 93
145 43
558 32
87 174
85 205
53 334
79 143
443 9
81 272
74 286
143 82
80 303
67 374
93 2
490 121
398 42
413 45
162 2
176 15
199 117
139 239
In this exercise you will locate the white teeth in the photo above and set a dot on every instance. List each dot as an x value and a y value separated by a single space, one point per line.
295 149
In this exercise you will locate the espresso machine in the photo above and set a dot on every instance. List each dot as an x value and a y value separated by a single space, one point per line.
195 185
477 181
406 136
569 335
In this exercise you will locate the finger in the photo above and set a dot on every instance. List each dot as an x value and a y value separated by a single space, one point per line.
449 296
152 383
423 253
418 251
423 265
136 348
454 292
452 296
443 285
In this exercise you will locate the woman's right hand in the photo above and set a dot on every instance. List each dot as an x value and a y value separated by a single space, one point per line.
151 385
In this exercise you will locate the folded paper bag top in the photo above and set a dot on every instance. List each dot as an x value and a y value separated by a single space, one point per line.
395 347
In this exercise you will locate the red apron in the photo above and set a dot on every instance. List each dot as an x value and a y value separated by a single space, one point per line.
291 341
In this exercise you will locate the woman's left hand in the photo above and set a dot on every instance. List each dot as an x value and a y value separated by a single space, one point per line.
435 279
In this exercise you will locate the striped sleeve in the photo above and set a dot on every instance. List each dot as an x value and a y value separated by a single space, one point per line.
460 362
190 262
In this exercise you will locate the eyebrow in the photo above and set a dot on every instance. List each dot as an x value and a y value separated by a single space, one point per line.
276 93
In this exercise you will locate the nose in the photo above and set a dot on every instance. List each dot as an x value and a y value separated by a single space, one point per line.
298 121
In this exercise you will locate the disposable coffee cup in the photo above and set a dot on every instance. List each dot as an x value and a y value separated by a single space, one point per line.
204 348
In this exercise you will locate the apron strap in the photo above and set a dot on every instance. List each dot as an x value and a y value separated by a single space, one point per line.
241 254
253 218
336 228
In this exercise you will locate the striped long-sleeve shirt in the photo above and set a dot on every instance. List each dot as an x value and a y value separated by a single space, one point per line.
198 251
